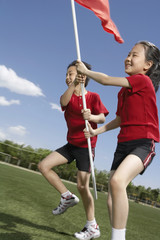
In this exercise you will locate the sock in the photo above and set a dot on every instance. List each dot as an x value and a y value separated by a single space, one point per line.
66 194
93 222
118 234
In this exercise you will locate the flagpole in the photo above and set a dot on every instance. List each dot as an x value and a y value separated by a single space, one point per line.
83 98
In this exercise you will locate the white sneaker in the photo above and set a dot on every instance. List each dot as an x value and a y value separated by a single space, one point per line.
88 233
65 203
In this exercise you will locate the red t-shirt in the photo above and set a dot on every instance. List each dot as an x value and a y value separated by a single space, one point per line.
137 110
75 121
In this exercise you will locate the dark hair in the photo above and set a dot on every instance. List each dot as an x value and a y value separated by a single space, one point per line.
152 53
87 66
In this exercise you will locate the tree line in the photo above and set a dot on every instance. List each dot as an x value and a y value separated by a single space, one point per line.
28 157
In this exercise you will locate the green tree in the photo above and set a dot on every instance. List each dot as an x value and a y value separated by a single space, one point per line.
154 194
130 188
102 178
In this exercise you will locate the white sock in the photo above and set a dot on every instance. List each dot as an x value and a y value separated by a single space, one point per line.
93 222
118 234
66 194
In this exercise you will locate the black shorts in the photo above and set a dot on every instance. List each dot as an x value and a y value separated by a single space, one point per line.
80 155
143 148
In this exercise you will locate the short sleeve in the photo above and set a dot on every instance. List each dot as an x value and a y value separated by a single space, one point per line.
138 82
97 105
63 108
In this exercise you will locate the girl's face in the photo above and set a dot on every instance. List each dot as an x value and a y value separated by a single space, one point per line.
71 75
135 62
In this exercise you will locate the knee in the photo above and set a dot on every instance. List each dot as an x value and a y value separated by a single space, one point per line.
81 188
41 167
116 184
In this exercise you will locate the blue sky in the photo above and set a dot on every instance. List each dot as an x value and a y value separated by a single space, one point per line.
36 45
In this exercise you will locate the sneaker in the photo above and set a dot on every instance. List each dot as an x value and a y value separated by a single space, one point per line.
65 203
89 232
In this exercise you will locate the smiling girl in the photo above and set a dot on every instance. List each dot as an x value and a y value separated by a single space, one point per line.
137 117
76 149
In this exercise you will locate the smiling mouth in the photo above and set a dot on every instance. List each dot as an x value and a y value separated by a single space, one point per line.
127 65
68 82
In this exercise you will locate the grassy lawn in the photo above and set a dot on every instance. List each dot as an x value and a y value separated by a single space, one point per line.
27 200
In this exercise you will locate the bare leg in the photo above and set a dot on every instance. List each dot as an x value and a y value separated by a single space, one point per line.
126 172
91 229
83 188
109 199
45 167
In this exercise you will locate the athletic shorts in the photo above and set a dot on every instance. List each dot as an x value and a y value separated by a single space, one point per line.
80 155
142 148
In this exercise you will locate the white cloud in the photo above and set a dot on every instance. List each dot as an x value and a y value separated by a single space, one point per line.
18 130
5 102
10 80
2 135
55 107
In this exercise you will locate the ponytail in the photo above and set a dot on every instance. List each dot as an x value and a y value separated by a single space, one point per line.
155 77
152 54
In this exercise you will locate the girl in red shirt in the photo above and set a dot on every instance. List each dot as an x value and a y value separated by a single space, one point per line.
76 148
137 117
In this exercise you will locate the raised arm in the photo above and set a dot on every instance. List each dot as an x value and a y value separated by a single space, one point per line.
65 98
102 78
72 86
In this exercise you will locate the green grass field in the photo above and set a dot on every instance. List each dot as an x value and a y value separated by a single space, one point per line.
27 200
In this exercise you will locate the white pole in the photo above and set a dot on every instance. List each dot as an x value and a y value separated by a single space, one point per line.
83 98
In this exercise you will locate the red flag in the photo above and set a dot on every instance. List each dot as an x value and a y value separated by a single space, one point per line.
101 10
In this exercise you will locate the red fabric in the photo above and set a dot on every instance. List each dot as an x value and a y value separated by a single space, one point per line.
101 10
138 110
75 121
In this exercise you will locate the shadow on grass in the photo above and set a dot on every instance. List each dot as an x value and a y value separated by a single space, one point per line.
9 225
